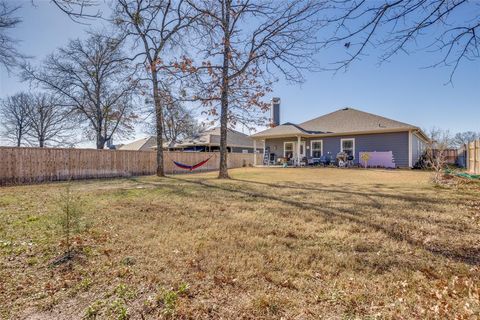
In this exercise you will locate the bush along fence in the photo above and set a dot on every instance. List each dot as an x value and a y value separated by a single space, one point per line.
473 157
34 165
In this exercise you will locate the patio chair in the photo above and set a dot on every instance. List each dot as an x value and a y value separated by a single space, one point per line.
350 162
303 162
324 160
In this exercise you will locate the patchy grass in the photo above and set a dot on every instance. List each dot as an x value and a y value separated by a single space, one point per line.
270 243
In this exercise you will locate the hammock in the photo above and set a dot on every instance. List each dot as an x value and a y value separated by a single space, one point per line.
187 167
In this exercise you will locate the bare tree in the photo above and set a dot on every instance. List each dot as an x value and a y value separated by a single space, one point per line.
155 28
244 43
95 80
78 9
178 121
9 55
50 121
451 27
462 138
435 157
14 117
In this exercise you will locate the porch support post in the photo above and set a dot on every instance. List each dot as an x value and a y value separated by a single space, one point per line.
299 141
264 146
254 152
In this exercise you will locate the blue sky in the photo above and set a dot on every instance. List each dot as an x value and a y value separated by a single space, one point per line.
402 89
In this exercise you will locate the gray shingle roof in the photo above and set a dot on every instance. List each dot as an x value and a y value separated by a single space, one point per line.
352 120
141 144
347 120
212 137
281 130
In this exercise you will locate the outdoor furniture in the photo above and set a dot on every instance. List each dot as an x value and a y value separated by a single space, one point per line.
324 160
272 158
303 162
350 161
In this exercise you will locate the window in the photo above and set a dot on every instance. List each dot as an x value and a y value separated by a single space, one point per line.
288 150
348 146
316 148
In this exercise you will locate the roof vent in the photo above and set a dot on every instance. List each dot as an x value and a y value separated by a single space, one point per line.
345 109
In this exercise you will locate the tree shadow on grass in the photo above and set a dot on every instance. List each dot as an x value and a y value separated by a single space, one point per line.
414 201
395 230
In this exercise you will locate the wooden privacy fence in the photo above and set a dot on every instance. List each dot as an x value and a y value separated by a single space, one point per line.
33 165
450 155
473 157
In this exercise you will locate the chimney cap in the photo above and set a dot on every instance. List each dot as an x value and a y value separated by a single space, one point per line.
276 100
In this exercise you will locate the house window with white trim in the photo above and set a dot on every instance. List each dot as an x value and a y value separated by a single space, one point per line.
348 146
316 148
288 150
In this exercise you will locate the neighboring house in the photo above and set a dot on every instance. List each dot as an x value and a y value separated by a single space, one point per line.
209 141
144 144
346 130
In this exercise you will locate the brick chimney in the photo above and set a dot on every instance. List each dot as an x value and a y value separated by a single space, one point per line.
275 117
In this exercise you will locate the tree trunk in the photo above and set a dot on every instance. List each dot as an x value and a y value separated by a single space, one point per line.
223 172
158 124
100 139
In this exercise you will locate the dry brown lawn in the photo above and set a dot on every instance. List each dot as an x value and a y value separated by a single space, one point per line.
268 244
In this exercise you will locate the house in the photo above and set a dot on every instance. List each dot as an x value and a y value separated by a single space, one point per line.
209 140
206 141
346 130
144 144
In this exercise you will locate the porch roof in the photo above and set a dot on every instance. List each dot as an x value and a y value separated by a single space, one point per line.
284 130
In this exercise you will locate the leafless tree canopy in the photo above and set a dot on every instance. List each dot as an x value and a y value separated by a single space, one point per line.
462 138
451 27
245 43
9 55
50 122
178 121
78 10
95 80
435 154
14 118
155 28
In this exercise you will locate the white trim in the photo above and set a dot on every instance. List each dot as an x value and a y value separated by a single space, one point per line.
299 146
285 149
410 149
348 139
311 147
255 152
416 133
